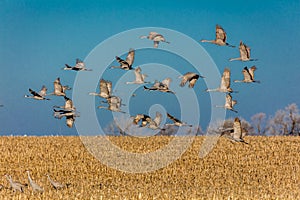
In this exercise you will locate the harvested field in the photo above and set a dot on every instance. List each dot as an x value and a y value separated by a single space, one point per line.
268 168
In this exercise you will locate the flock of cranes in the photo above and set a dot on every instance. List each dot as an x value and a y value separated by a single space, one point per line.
236 132
68 110
20 187
114 103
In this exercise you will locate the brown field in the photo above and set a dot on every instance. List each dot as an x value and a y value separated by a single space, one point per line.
268 168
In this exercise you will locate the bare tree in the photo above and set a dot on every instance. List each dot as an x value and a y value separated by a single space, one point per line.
285 122
293 118
228 123
258 121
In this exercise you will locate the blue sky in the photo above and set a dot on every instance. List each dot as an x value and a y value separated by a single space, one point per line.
38 37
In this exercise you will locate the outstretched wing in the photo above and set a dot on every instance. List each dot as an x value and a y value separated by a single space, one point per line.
225 80
130 57
79 64
57 86
121 61
193 80
237 129
244 51
173 118
251 71
158 118
34 93
247 75
152 35
104 89
43 91
68 103
184 80
138 76
220 33
228 100
167 82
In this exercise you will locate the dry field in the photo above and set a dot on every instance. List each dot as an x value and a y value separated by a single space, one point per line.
268 168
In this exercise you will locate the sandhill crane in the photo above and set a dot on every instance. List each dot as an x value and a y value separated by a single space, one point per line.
220 37
38 96
244 53
190 77
161 86
248 75
16 186
68 104
105 89
229 103
155 123
33 184
141 117
69 114
80 66
114 104
139 77
59 90
236 132
126 64
176 122
156 37
56 185
225 83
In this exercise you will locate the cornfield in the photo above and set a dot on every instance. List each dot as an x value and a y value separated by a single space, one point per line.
267 168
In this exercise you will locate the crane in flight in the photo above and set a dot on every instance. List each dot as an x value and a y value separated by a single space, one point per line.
79 66
176 122
248 75
59 89
68 104
190 77
69 114
141 117
154 124
244 53
38 95
220 37
236 133
161 86
114 104
105 89
125 64
139 77
156 38
225 83
229 103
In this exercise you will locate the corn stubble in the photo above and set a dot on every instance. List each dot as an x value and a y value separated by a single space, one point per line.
268 168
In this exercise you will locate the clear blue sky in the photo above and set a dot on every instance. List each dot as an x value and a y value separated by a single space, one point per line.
38 37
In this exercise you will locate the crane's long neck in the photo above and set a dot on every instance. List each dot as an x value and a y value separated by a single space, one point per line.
94 94
218 106
144 36
238 81
232 59
29 178
133 82
212 90
209 41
